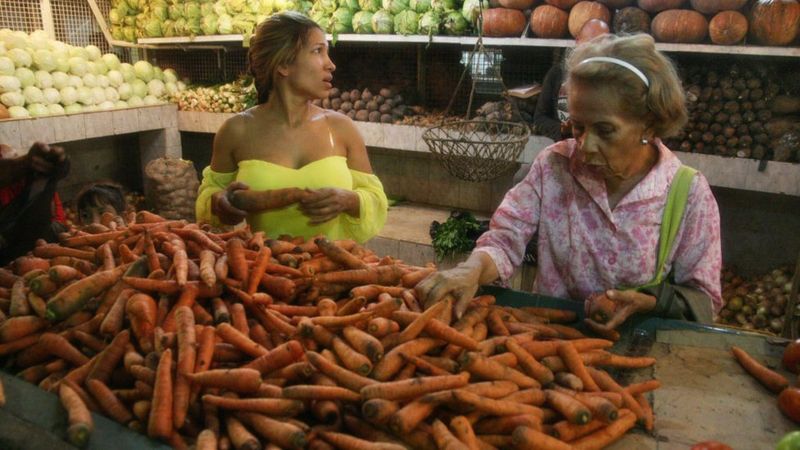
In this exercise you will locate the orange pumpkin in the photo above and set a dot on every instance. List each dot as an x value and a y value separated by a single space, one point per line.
679 26
654 6
715 6
549 22
585 11
727 28
616 4
565 5
503 22
521 5
774 22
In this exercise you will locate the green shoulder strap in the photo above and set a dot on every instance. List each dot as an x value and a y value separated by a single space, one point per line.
671 221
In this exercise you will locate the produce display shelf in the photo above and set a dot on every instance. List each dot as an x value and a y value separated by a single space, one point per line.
21 133
491 42
737 173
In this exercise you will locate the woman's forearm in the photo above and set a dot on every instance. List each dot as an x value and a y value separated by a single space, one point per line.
484 264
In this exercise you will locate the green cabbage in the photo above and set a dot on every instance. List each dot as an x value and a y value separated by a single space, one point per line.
168 28
395 6
43 79
235 6
159 11
38 110
420 6
9 83
74 108
120 104
170 88
406 22
69 95
12 99
429 23
382 22
111 94
170 76
90 80
20 57
85 96
206 9
244 24
362 22
225 24
124 90
75 81
135 101
114 17
455 24
471 9
99 95
33 95
194 27
180 27
139 88
93 53
118 33
44 60
54 109
192 11
106 105
350 4
144 70
130 33
25 76
152 28
329 6
442 6
6 66
370 5
341 21
158 74
155 88
51 96
111 61
209 24
60 80
18 112
175 11
102 81
149 100
128 74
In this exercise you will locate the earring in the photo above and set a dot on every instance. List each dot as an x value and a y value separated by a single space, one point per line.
644 141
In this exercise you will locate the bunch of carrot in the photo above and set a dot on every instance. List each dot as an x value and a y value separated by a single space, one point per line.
232 340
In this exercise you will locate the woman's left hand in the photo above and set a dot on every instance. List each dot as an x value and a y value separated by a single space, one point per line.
322 205
628 303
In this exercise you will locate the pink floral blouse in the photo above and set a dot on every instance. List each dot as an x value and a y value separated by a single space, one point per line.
584 246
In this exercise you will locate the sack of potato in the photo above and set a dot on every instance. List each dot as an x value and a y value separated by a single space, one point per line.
170 187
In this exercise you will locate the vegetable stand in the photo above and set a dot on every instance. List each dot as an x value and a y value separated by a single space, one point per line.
705 394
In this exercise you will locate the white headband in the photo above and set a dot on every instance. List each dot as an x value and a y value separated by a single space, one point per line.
620 63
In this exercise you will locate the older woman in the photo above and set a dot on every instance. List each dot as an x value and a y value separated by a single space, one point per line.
613 208
287 142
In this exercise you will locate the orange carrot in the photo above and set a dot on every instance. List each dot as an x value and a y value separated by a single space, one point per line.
109 402
112 322
569 381
380 327
772 380
160 422
259 266
600 407
221 312
607 435
526 437
462 430
269 406
341 321
207 273
338 254
540 349
413 413
187 355
315 392
80 419
483 367
107 360
575 411
236 259
606 383
494 406
386 275
18 327
602 331
41 285
277 358
73 297
221 267
142 313
528 363
507 424
425 366
643 387
411 279
237 380
648 411
495 323
415 387
60 347
180 265
393 361
282 433
364 343
348 442
93 240
344 377
240 437
445 439
573 361
316 266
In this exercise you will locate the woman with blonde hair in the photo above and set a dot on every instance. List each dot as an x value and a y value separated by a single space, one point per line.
613 209
287 142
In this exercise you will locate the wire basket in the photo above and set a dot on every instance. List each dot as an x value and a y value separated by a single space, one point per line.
477 150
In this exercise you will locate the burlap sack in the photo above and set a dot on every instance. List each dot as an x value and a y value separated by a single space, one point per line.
170 187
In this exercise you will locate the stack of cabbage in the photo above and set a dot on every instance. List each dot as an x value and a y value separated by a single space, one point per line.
41 76
225 98
427 17
167 18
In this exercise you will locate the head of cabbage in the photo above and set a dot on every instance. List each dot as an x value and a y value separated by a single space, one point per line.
471 9
395 6
370 5
362 22
382 22
429 23
341 21
406 22
455 24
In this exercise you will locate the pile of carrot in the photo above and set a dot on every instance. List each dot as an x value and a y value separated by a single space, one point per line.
233 340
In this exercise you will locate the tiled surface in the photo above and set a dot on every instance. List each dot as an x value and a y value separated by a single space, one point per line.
125 121
34 130
9 135
69 128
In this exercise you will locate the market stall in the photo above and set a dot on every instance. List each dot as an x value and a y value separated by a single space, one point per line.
319 336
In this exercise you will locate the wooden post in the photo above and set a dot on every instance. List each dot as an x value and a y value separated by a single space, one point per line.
47 18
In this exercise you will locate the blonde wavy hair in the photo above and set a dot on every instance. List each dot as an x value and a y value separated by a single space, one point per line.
277 42
662 104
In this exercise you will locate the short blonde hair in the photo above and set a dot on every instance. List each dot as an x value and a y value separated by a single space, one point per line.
277 41
662 104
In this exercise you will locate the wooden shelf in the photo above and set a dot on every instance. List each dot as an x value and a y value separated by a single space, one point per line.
751 50
737 173
20 133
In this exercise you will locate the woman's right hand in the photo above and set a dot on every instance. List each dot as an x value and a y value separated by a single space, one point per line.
461 282
222 208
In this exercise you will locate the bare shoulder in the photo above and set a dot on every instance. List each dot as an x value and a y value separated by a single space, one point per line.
345 129
227 141
341 123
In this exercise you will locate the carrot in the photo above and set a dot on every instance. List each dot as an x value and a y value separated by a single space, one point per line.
463 431
526 437
606 383
413 413
55 250
507 424
112 322
61 347
15 328
380 327
74 297
338 254
364 343
187 355
348 442
607 435
393 361
199 237
575 411
624 362
126 255
142 313
259 266
540 349
341 321
567 432
495 323
80 419
313 392
206 440
415 387
294 310
284 434
413 278
109 402
180 266
237 380
569 381
8 278
494 406
483 367
552 314
240 437
386 275
643 387
277 358
573 361
445 439
221 267
141 410
425 366
19 300
344 377
269 406
378 410
528 363
207 262
93 240
160 422
236 259
416 327
602 331
316 266
260 201
600 407
351 306
41 285
221 312
648 411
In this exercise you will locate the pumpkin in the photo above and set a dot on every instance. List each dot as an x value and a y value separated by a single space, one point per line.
727 28
715 6
4 114
566 5
585 11
774 22
631 20
521 5
680 26
503 22
654 6
616 4
549 22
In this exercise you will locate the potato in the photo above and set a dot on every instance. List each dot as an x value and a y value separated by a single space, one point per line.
366 95
386 93
355 93
375 116
389 102
336 103
372 106
326 103
358 105
362 115
379 99
345 96
398 99
386 118
335 92
385 109
351 114
346 107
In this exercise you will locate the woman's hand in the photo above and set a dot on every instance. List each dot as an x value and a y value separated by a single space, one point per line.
628 303
461 282
322 205
48 161
222 208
